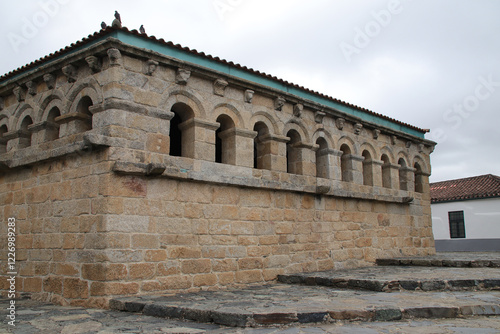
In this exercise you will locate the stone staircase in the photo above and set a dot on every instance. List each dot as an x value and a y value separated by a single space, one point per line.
400 288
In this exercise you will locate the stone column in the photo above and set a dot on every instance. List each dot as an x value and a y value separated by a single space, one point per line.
352 170
390 175
274 152
17 139
43 132
373 169
198 139
407 178
328 162
237 146
72 123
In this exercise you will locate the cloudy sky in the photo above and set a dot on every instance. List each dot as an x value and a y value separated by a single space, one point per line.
433 64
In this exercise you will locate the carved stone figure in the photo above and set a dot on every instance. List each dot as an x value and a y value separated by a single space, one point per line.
31 87
18 93
249 95
220 86
94 63
115 57
151 66
279 102
376 133
340 122
182 76
357 128
49 80
297 109
318 116
70 72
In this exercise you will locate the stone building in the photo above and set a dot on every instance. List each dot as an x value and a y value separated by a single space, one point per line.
136 166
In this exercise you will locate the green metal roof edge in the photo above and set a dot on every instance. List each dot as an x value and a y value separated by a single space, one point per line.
228 69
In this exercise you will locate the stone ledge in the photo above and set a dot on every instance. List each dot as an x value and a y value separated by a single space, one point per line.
210 172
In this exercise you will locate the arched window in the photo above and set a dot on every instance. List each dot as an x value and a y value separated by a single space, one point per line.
346 163
52 132
367 169
322 162
419 178
403 177
3 142
83 109
181 144
386 171
25 139
293 157
261 155
225 144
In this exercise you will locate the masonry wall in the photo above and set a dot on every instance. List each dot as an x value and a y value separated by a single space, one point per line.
256 182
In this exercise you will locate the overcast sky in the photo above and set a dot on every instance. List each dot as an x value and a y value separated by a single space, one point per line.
433 64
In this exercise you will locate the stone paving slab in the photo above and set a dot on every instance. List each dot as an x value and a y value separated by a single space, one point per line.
279 304
396 278
447 259
34 317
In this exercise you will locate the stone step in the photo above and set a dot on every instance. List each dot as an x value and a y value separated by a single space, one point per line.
279 304
397 278
451 259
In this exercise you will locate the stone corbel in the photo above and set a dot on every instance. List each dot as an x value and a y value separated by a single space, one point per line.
115 57
376 133
408 144
45 125
393 139
50 80
249 95
357 128
279 102
182 76
340 122
220 86
297 109
94 63
70 72
151 66
19 93
31 85
421 148
318 116
1 103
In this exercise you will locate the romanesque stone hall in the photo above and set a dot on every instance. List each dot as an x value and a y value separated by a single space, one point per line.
134 166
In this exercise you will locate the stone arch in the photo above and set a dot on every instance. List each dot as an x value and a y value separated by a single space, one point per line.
299 128
386 170
25 136
388 152
21 112
89 88
421 170
185 96
346 161
231 111
225 143
322 133
403 173
293 151
181 137
423 165
265 118
4 128
353 146
322 158
53 100
367 167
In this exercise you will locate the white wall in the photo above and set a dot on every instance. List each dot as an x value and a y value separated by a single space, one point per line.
482 218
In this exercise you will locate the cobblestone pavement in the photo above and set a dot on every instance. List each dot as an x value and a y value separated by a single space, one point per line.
36 317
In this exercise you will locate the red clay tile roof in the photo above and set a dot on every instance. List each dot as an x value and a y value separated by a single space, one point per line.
104 32
484 186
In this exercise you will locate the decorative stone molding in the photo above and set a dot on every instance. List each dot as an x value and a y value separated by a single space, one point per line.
357 128
72 117
318 116
421 148
279 102
115 57
376 133
151 66
340 122
70 72
31 87
50 80
220 86
297 109
94 63
249 95
182 76
19 93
